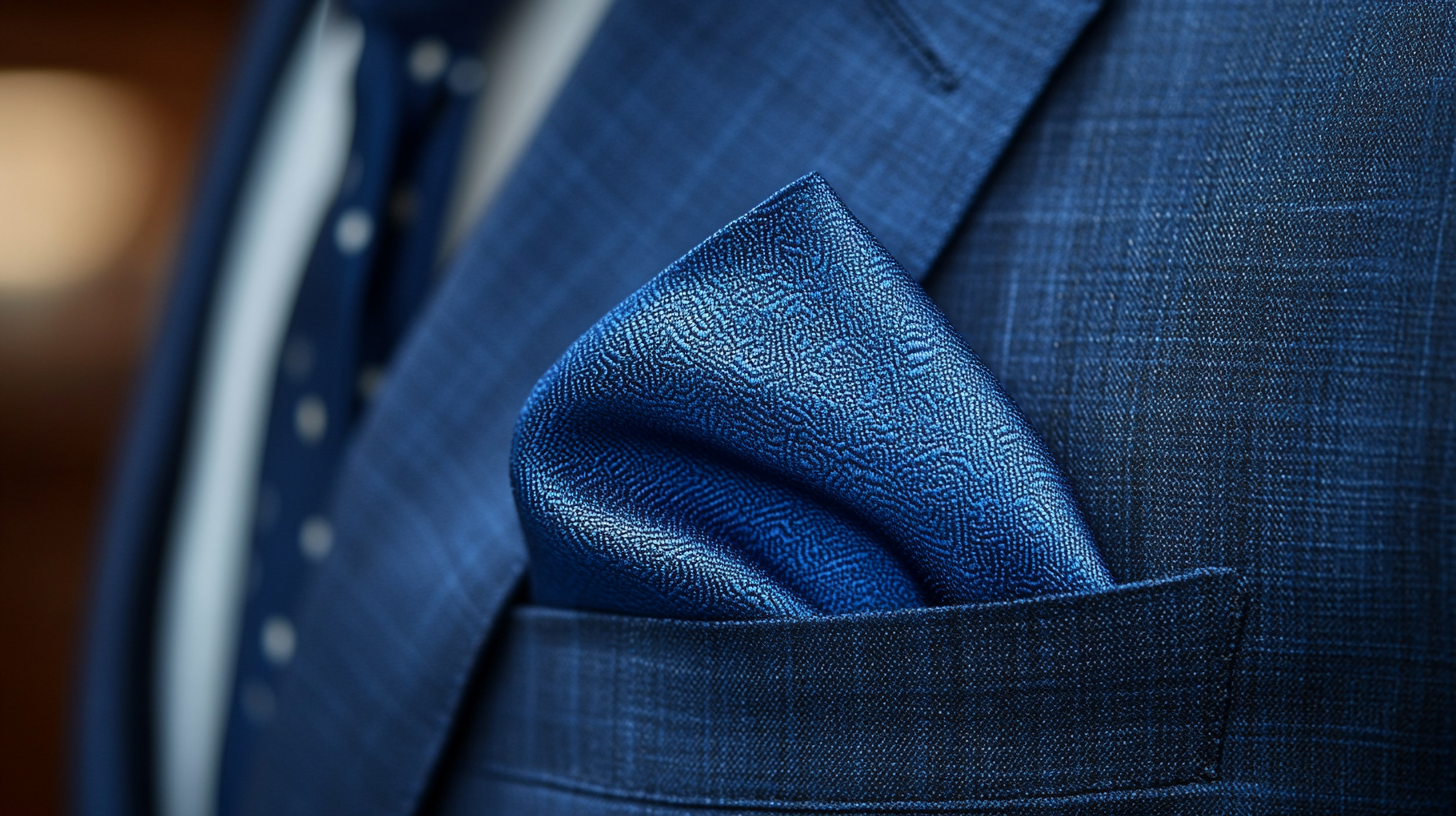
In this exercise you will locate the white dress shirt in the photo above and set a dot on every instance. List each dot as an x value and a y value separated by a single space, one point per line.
297 168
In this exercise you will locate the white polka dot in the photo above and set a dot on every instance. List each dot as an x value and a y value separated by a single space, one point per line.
315 538
370 379
427 60
278 640
467 76
310 419
257 701
353 231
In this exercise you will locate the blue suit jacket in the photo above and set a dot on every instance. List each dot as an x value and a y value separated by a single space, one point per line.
1206 247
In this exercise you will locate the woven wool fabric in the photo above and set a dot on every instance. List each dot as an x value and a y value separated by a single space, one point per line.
908 709
1208 253
1215 272
783 424
681 117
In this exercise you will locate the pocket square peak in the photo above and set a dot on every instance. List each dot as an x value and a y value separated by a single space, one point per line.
783 424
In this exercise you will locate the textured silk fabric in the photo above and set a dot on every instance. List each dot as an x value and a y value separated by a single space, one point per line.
782 424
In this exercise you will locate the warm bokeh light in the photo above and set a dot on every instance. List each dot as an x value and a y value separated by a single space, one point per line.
78 167
102 105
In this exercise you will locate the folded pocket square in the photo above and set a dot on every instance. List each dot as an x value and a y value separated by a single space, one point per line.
782 424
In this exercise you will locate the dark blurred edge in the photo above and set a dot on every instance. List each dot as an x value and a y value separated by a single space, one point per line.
66 364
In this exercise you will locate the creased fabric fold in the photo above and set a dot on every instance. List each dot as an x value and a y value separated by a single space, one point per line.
782 424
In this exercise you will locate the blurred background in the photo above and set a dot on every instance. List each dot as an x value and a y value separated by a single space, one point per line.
102 108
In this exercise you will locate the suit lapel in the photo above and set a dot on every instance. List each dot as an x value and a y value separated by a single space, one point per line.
680 117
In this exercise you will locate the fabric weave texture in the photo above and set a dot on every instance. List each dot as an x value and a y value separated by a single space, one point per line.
1206 247
782 424
1028 698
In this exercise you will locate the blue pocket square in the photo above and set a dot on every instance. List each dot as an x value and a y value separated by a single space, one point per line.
782 424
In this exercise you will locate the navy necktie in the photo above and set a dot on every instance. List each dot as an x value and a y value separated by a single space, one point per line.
370 269
782 424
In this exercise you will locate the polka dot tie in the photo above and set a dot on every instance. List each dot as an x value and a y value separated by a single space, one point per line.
370 269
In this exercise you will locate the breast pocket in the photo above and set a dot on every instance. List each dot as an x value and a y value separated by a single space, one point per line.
1048 700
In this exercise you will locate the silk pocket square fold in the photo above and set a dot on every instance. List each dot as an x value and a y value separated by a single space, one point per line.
782 424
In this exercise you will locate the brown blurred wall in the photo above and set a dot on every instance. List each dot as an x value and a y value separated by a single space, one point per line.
67 359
